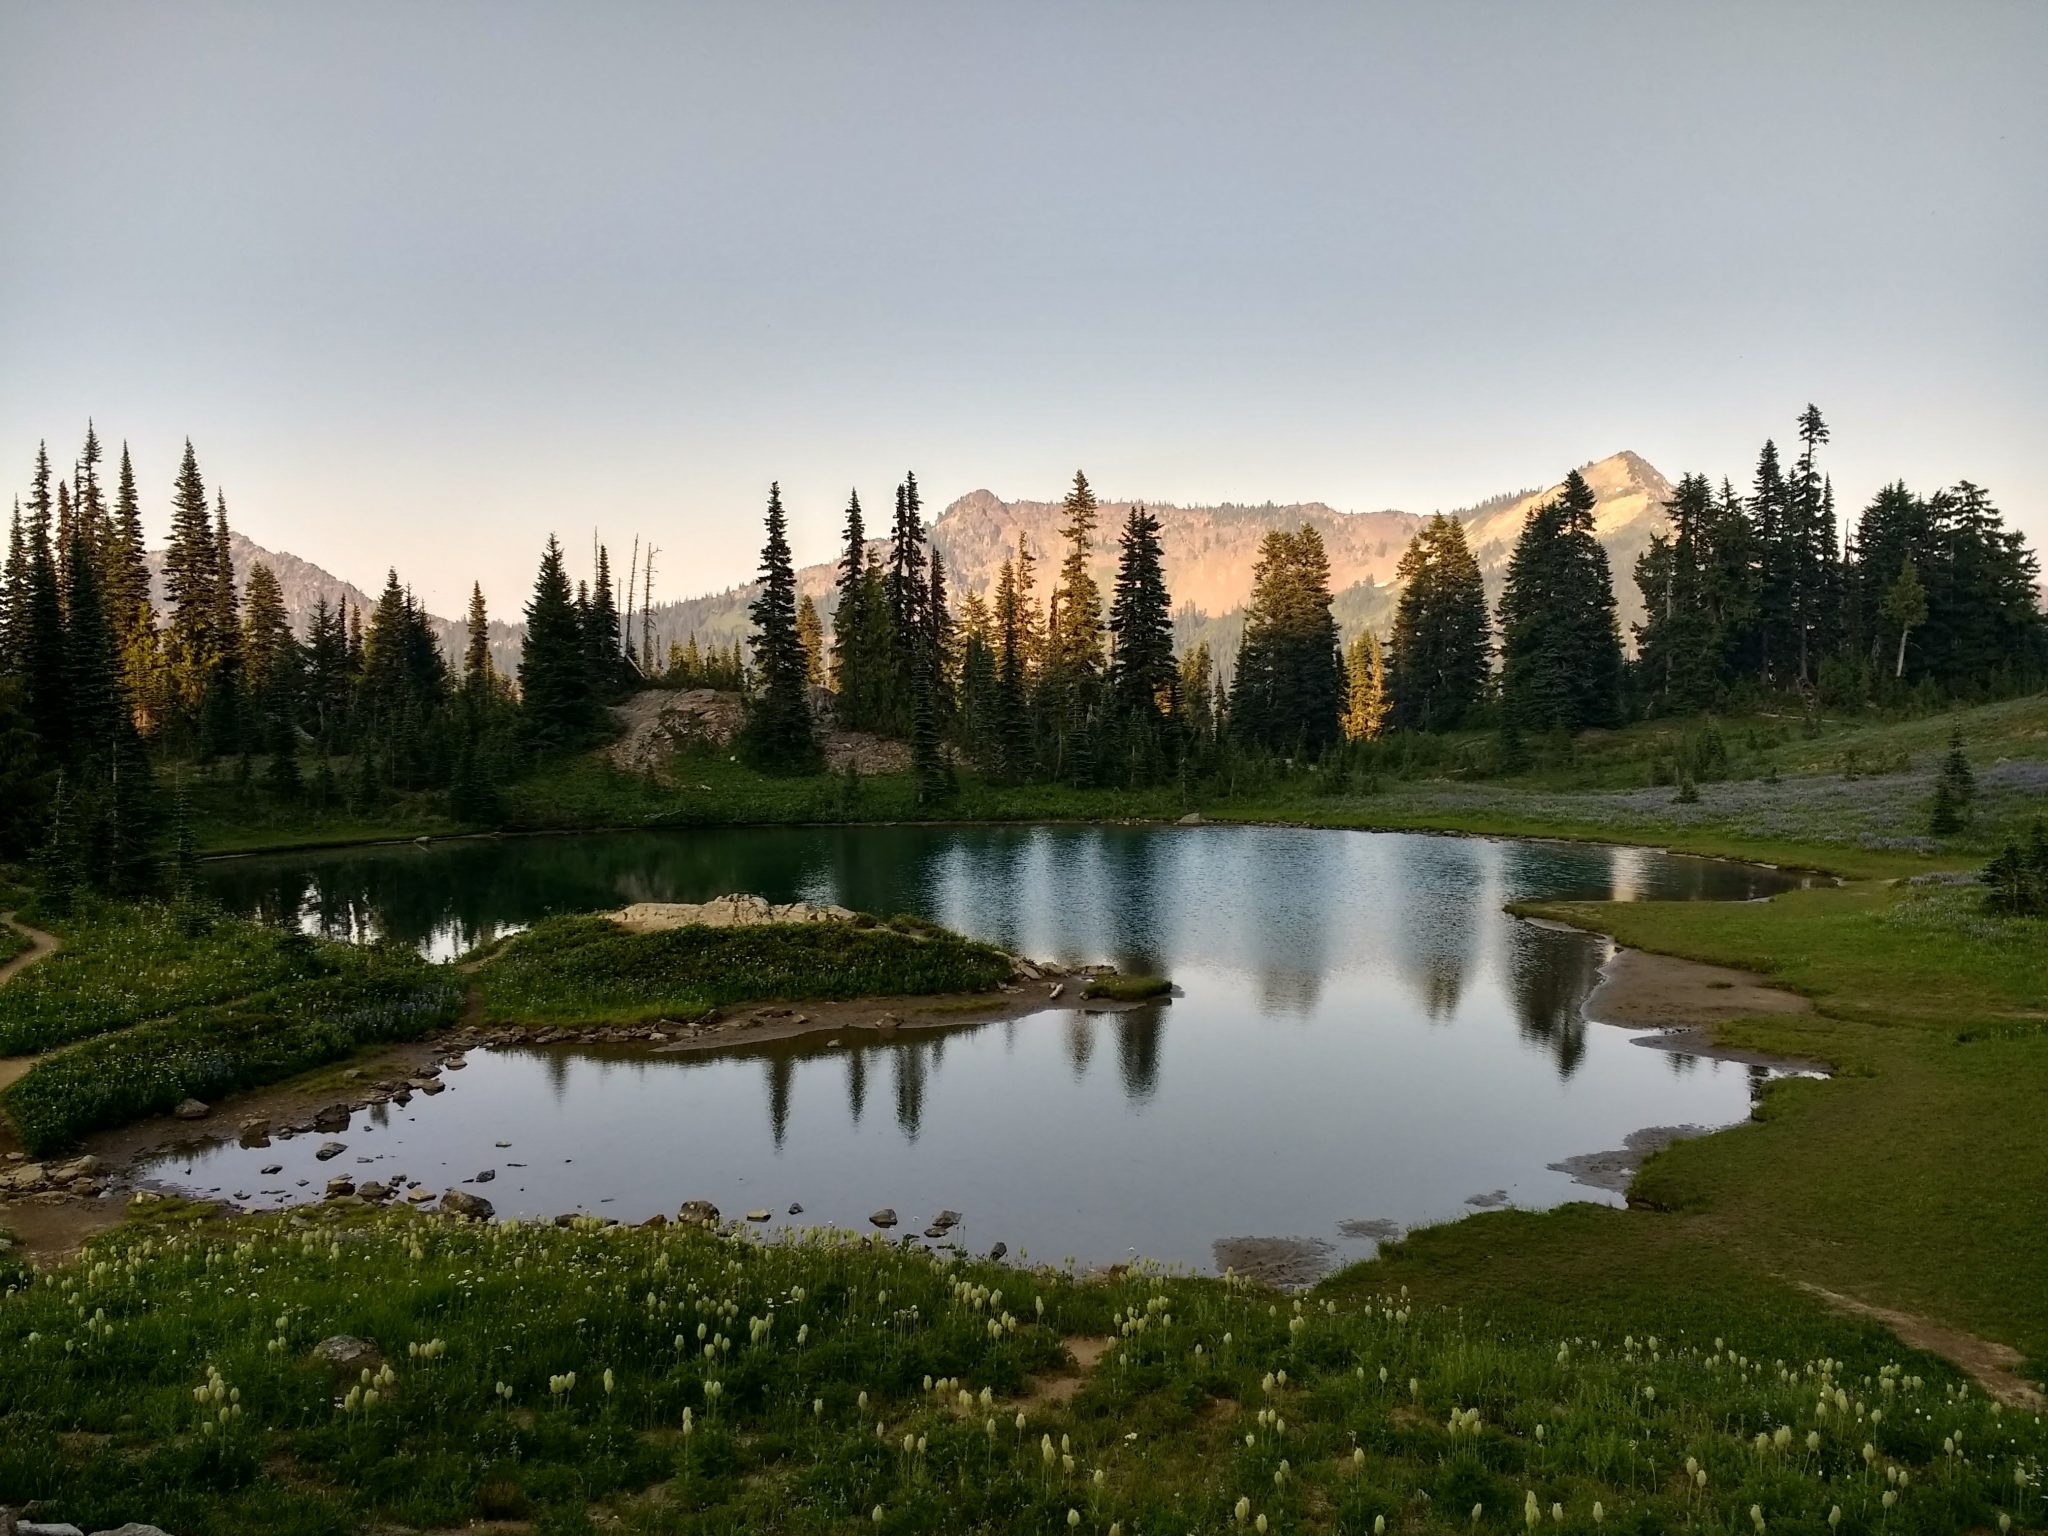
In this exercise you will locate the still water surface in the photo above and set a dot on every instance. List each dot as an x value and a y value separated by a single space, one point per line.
1362 1036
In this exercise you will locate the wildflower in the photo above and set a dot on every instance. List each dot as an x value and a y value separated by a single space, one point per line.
1073 1519
1477 1511
1834 1517
877 1517
1379 1525
1557 1514
1599 1514
1244 1510
1358 1456
1756 1517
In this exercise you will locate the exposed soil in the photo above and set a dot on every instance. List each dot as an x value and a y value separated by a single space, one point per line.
39 945
1615 1170
1995 1366
1048 1391
1286 1263
1645 991
659 722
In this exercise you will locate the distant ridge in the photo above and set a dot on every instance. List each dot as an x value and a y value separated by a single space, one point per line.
1210 552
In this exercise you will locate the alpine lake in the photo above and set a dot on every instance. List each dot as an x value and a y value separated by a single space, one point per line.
1360 1040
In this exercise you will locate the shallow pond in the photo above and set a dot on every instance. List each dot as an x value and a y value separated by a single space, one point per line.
1362 1037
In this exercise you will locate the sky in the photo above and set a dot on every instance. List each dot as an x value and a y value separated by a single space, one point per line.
424 283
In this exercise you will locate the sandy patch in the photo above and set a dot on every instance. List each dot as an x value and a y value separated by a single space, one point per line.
1049 1391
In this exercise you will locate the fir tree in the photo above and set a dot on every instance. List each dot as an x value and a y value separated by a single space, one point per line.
41 660
1676 649
1367 701
225 688
126 582
554 681
1560 642
601 631
1777 557
191 588
1144 679
479 675
1442 640
1955 786
1288 692
778 736
810 629
328 682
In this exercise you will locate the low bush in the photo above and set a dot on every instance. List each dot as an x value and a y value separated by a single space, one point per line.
588 969
369 999
1127 989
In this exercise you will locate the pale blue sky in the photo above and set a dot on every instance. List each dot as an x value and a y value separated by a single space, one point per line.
423 282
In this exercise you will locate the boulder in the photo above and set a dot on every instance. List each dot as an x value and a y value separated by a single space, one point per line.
256 1132
998 1252
884 1217
759 1215
25 1177
698 1213
419 1194
373 1192
946 1221
348 1354
341 1185
431 1085
192 1109
333 1118
269 1168
330 1149
796 1208
133 1529
460 1202
1193 819
40 1528
486 1176
78 1168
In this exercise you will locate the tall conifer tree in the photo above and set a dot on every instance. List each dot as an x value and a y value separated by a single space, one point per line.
778 736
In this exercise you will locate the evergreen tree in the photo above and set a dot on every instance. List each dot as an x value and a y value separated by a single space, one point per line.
1013 672
1778 558
1071 679
14 641
1676 646
778 736
1810 550
810 629
225 689
1143 675
1955 786
1560 641
853 626
1367 701
479 675
41 660
608 672
554 681
126 583
328 682
191 587
1288 692
1442 641
1905 609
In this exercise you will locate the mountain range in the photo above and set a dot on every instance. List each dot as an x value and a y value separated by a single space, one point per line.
1209 555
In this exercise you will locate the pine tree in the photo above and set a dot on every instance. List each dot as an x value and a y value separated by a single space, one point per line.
778 736
1560 642
1778 556
1676 646
14 641
1013 676
1955 786
554 680
223 728
1366 698
41 661
852 624
1443 638
1071 679
327 674
1810 549
601 631
1144 678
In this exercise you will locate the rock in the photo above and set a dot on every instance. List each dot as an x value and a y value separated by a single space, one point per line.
946 1221
1029 971
735 911
886 1023
419 1194
1057 988
699 1213
26 1177
656 1221
759 1215
431 1085
192 1109
132 1529
78 1168
330 1149
455 1063
348 1354
796 1208
374 1192
333 1118
269 1168
344 1185
460 1202
998 1252
486 1176
884 1217
1193 819
38 1528
255 1133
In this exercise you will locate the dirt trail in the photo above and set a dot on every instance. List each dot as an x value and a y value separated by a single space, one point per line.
40 945
1995 1366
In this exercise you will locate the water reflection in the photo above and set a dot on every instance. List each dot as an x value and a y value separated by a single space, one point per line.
1360 1032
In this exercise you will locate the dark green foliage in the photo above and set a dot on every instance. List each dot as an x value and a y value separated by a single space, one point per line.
1677 647
1127 989
1442 640
1560 642
1288 695
353 998
586 969
1144 678
1955 786
779 736
556 706
2018 877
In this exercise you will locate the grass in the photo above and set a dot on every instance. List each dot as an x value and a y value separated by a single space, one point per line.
124 963
670 1381
1127 989
11 944
589 969
208 1052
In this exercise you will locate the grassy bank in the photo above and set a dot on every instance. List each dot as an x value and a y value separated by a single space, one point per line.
590 970
667 1381
124 963
204 1053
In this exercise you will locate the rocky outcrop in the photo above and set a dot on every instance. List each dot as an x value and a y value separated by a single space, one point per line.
734 911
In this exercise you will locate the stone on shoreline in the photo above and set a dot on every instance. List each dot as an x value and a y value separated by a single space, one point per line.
330 1149
460 1202
732 911
699 1213
192 1109
885 1217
